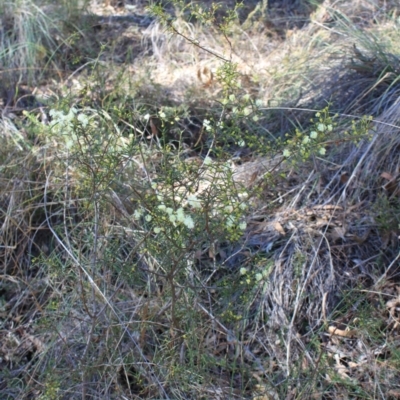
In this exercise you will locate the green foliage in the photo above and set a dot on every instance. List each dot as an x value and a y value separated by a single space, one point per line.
303 145
143 229
51 390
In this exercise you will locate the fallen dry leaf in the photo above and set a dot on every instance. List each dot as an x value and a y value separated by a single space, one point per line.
341 369
387 176
344 178
391 186
340 332
279 228
338 233
352 364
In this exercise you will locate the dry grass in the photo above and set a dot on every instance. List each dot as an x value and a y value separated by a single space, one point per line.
90 293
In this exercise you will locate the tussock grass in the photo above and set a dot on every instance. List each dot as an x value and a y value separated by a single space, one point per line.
104 278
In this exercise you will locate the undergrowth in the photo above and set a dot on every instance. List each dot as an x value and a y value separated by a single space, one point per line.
214 217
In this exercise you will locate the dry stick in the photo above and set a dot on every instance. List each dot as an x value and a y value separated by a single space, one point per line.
85 377
98 291
197 44
93 316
